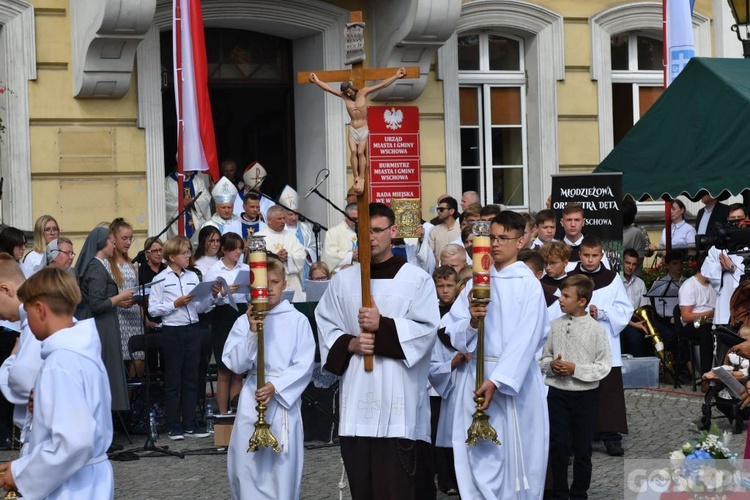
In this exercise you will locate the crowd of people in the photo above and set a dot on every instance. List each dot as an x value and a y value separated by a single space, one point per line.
557 324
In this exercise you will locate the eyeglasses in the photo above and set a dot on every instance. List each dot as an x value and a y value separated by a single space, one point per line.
187 254
214 242
155 250
69 253
51 229
502 240
379 230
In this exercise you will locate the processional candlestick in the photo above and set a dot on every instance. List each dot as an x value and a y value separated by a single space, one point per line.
262 436
480 425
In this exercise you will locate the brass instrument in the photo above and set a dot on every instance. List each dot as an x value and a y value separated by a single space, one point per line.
701 320
480 422
645 315
262 436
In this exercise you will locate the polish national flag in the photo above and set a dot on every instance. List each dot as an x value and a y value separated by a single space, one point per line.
196 145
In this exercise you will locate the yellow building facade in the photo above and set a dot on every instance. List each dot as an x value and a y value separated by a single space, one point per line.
85 116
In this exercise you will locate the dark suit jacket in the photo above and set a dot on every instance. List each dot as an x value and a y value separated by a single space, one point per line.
720 213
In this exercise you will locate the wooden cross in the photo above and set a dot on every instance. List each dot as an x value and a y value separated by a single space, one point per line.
358 74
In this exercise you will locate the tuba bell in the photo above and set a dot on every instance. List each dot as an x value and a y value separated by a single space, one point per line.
645 315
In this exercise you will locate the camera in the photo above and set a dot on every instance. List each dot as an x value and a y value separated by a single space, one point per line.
732 236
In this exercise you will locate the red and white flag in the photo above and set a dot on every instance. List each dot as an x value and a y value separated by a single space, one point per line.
196 145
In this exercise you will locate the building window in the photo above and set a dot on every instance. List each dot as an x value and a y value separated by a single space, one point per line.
637 78
492 101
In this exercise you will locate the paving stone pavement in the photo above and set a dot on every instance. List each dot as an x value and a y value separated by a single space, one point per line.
659 422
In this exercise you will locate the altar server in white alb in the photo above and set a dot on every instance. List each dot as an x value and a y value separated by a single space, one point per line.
516 326
19 371
289 355
224 194
287 247
72 423
384 426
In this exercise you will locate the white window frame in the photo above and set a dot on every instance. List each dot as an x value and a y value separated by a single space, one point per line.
637 78
485 79
544 59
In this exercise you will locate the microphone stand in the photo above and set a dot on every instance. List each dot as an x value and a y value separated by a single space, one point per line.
315 190
185 209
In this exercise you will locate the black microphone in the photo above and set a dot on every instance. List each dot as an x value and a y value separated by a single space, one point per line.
316 186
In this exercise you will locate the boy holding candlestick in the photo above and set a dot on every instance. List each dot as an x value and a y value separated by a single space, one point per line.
517 326
288 360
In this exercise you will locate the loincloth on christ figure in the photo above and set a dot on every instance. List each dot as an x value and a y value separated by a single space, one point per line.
359 135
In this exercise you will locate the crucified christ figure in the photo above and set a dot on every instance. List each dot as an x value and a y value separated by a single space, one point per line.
356 105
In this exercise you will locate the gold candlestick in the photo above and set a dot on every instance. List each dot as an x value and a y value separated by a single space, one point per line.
262 436
12 493
480 424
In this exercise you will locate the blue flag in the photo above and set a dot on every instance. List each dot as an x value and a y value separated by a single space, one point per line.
680 42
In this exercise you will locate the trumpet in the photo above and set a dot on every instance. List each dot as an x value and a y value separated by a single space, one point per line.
645 315
701 320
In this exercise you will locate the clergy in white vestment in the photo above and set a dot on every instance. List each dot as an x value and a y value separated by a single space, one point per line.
611 307
517 326
289 356
384 424
724 271
287 247
340 248
224 194
72 421
301 229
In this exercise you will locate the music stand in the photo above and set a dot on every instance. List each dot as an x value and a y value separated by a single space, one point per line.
662 289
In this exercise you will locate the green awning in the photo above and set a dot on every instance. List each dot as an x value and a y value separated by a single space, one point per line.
694 140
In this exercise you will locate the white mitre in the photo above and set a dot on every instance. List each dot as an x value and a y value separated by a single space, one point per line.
224 191
254 175
289 198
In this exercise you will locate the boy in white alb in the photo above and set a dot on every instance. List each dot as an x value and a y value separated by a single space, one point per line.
516 327
19 371
289 355
72 424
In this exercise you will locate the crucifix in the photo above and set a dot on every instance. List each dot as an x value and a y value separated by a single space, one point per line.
354 80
